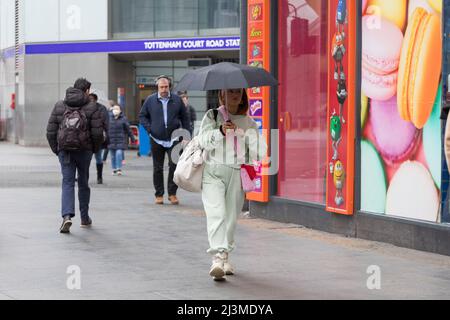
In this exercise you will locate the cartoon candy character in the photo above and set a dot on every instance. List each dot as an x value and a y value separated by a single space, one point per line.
338 56
338 178
342 95
341 14
336 134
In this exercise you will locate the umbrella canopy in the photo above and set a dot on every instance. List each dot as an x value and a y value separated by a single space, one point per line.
225 75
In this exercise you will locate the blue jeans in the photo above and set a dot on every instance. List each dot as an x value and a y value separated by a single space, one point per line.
116 159
99 156
71 162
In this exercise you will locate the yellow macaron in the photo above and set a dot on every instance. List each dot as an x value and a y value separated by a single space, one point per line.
364 109
420 67
392 10
436 5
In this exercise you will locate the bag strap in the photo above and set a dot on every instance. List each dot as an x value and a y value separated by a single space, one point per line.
223 112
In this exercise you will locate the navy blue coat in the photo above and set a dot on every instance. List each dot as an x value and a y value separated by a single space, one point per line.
105 123
119 131
152 117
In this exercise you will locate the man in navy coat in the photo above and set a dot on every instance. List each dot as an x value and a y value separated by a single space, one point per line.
162 114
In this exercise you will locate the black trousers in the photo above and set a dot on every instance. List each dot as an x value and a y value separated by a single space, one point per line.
159 155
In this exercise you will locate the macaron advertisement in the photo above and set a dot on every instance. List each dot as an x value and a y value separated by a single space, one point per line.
400 108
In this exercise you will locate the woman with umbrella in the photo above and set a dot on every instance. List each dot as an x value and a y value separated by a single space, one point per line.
230 144
233 144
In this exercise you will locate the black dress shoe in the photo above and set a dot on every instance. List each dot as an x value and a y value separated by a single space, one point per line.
86 224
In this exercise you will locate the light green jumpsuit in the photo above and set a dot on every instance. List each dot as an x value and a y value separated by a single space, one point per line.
222 193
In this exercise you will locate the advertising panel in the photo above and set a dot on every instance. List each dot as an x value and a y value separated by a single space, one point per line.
400 108
341 107
259 98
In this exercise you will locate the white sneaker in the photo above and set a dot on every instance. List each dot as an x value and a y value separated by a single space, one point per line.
217 268
227 266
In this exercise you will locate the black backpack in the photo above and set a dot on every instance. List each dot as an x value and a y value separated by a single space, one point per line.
73 134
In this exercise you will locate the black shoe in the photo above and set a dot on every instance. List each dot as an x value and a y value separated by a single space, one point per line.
65 227
100 174
86 224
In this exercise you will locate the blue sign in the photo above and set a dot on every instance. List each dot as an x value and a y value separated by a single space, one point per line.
10 52
155 45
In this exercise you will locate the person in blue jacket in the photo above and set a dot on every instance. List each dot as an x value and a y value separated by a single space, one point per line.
162 114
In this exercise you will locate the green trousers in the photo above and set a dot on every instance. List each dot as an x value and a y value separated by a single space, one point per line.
223 199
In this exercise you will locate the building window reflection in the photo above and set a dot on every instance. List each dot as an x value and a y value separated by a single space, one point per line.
174 18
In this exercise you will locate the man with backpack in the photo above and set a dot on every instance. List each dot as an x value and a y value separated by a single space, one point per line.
74 133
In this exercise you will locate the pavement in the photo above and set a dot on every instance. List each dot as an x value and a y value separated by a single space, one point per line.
137 250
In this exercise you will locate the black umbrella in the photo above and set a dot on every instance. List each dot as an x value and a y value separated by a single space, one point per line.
225 75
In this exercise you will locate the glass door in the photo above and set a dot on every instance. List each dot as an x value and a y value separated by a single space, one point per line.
303 69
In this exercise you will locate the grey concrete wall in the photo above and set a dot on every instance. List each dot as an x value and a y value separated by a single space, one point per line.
46 79
7 81
12 119
41 93
417 235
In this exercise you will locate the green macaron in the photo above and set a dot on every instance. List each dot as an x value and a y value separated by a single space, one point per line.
432 140
373 180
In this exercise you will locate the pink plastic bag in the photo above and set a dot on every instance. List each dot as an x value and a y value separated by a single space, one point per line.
248 184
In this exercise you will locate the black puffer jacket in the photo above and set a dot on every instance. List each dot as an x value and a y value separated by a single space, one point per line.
76 98
118 133
105 124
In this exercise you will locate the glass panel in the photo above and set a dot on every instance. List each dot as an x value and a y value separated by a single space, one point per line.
219 16
174 18
132 18
176 15
303 66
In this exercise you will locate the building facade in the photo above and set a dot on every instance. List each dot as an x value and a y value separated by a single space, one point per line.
359 117
120 46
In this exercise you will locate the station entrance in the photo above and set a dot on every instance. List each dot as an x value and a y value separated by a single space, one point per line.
132 77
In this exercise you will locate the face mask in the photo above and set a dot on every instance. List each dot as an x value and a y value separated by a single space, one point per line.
116 113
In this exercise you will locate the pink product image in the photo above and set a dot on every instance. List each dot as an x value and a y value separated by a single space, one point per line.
381 47
364 6
396 139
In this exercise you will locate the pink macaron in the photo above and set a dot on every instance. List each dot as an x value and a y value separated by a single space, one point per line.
364 6
381 47
396 140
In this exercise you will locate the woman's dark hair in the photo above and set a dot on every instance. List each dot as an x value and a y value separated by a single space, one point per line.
243 106
82 84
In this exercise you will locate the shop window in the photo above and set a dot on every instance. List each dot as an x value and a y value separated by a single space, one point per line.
303 69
